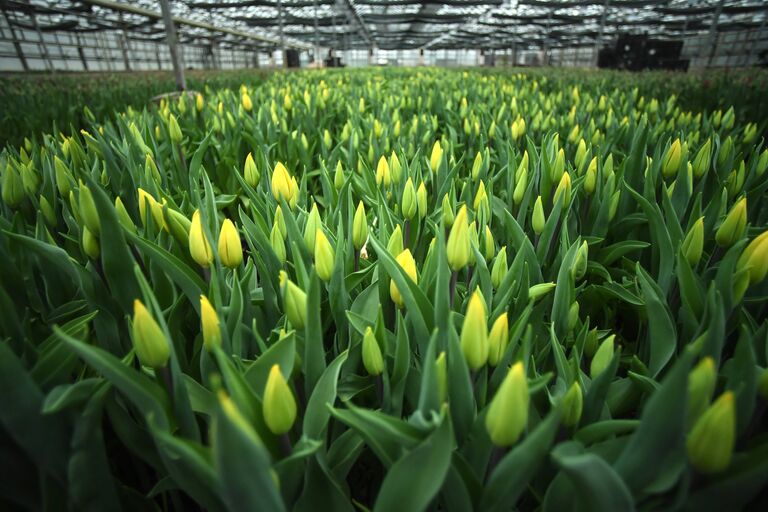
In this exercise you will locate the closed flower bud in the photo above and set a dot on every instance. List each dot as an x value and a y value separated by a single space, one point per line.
230 247
458 248
372 358
762 384
178 225
507 415
409 200
590 179
477 165
280 222
199 247
474 332
359 227
481 203
499 269
88 211
62 177
174 129
538 291
563 189
281 183
447 209
573 315
436 157
395 243
762 163
277 243
693 243
489 247
324 256
338 176
406 261
279 405
49 214
725 152
294 301
614 206
91 245
670 162
209 324
711 442
701 387
732 228
521 185
602 358
250 172
572 405
579 267
498 339
327 140
558 167
149 342
245 100
754 259
581 154
728 119
310 229
421 200
395 168
155 208
441 374
199 102
702 160
382 172
538 221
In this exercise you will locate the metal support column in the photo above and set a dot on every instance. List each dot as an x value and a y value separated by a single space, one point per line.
755 40
16 44
316 50
280 27
170 36
599 41
545 61
124 42
41 43
712 37
81 52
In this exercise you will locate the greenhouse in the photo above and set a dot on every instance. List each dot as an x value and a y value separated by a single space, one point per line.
385 255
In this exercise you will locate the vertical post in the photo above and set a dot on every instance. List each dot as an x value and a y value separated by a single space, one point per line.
41 43
80 52
760 31
545 61
317 35
16 44
170 36
280 28
599 41
124 42
712 37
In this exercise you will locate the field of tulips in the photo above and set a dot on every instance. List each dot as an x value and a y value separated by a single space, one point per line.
389 290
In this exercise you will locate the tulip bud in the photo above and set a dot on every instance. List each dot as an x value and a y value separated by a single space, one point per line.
563 189
230 247
280 222
409 200
538 221
711 442
382 172
725 153
199 102
703 159
498 339
62 177
732 228
728 119
670 162
693 243
209 324
372 358
581 154
149 342
762 163
754 258
572 405
579 267
91 244
294 301
458 248
178 225
499 269
614 205
590 180
507 414
762 384
521 185
436 158
251 173
489 248
447 209
538 291
245 101
174 129
474 332
338 176
311 227
395 243
441 374
701 387
558 168
602 358
481 203
277 243
573 315
477 165
324 256
199 247
421 200
406 261
359 227
88 211
49 214
155 209
279 405
281 183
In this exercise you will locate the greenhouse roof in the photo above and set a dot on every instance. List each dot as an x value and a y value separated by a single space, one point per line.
394 24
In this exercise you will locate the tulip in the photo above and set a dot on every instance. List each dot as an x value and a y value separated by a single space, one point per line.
310 229
474 332
409 205
230 247
693 243
149 342
732 228
563 190
477 165
294 301
382 172
88 211
458 247
338 176
251 173
670 161
507 414
590 179
277 243
447 211
199 247
500 268
279 405
91 245
209 324
421 200
359 227
395 243
498 339
282 186
538 221
408 264
372 358
174 129
602 358
436 157
572 405
325 257
701 387
711 442
754 259
703 159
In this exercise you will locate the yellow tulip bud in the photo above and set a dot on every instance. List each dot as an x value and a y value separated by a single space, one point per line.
310 229
91 245
498 339
382 172
754 258
507 415
572 405
199 247
458 247
732 228
670 162
406 261
701 387
395 167
372 358
521 185
174 129
280 222
395 243
324 256
602 358
564 190
199 102
250 172
338 176
409 200
436 158
359 227
149 342
477 165
281 183
279 405
693 243
421 200
178 225
294 301
500 268
245 100
711 442
447 210
538 221
209 324
474 332
230 247
590 180
277 243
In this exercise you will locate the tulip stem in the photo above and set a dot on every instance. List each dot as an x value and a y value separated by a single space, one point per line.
496 455
285 444
165 374
182 159
452 287
380 390
357 260
407 233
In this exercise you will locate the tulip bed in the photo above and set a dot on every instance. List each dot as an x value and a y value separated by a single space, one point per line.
388 290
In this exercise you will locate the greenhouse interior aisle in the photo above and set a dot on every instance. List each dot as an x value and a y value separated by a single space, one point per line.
388 255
